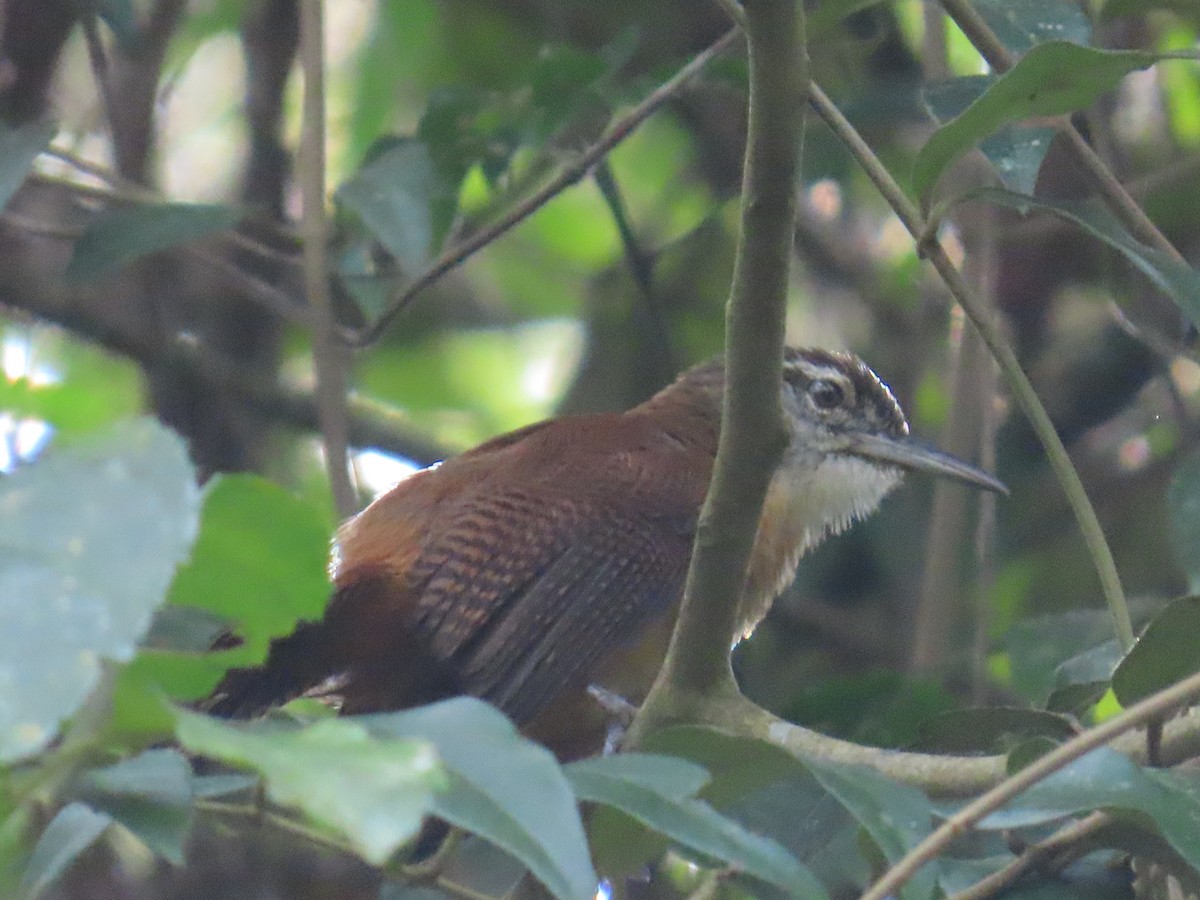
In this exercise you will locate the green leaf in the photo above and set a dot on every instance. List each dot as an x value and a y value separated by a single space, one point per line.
70 832
896 816
1166 652
1106 779
631 788
1082 680
89 540
1020 24
990 729
117 236
1183 507
1039 645
1177 279
373 790
503 787
19 147
259 565
1052 79
405 200
150 794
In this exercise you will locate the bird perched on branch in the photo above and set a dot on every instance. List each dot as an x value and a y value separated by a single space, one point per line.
553 558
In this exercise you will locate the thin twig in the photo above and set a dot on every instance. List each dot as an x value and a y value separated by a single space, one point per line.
329 357
931 248
1106 183
571 174
100 70
1153 707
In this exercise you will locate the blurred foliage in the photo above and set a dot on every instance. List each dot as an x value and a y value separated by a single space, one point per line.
117 575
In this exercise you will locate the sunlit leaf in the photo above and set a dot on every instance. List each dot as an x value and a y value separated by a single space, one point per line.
89 540
372 789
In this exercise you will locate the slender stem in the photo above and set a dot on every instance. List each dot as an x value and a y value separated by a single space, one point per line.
752 430
1106 183
571 174
329 357
1019 384
1152 708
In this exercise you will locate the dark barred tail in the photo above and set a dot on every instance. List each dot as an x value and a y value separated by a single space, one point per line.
295 664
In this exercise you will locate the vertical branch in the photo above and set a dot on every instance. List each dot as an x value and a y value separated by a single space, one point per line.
329 357
752 430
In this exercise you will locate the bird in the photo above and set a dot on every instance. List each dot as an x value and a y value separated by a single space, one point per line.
549 562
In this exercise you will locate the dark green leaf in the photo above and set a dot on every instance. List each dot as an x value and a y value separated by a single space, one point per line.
736 765
688 821
373 790
896 816
405 200
1183 506
150 794
990 729
70 832
503 788
1106 779
259 565
829 13
1019 24
1028 751
89 540
120 17
1083 679
1039 645
19 147
118 236
1053 78
1167 651
1177 279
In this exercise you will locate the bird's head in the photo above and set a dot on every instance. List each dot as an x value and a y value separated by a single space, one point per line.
849 442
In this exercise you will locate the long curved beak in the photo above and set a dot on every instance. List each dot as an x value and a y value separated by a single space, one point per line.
915 457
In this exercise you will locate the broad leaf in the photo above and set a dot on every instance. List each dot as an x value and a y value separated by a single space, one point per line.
1177 279
1083 679
1166 652
374 790
1052 79
75 828
1183 506
19 147
896 816
1020 24
631 786
405 200
117 236
89 541
503 788
1106 779
150 794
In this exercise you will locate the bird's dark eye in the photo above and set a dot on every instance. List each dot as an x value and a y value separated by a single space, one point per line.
826 394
